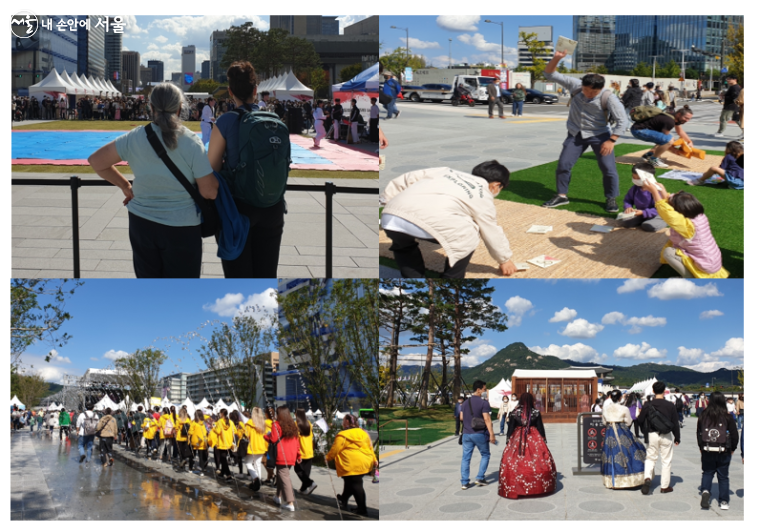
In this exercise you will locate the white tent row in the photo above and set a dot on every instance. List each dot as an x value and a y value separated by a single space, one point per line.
56 85
498 392
15 402
286 87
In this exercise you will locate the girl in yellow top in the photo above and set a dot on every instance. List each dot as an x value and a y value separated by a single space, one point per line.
270 463
306 438
224 430
199 440
162 442
149 428
239 452
255 429
692 250
183 435
354 458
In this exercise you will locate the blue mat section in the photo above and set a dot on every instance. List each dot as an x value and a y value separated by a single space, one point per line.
64 145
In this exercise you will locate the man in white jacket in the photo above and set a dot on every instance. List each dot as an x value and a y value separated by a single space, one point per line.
452 208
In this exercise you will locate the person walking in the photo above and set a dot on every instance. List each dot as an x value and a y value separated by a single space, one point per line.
224 431
503 413
587 126
354 458
518 99
632 97
740 411
284 438
701 404
718 438
477 431
374 121
207 120
319 123
661 433
183 440
107 430
457 419
64 421
729 104
677 398
623 455
198 437
255 430
391 89
633 404
306 439
494 98
87 424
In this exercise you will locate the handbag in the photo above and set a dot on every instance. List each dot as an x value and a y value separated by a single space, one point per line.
210 224
477 423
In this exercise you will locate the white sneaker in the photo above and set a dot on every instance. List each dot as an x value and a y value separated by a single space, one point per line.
277 500
719 135
724 506
289 507
310 489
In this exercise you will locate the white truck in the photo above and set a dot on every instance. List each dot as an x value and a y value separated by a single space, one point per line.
437 92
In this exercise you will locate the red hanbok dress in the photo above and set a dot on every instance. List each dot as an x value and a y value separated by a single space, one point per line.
527 466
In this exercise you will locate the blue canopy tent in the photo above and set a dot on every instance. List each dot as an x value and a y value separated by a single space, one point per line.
367 81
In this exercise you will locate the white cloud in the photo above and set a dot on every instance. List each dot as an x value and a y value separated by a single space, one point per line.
94 359
115 355
52 374
417 44
636 323
734 348
348 20
696 359
394 292
581 328
578 352
152 46
682 289
198 28
640 352
566 314
458 22
442 61
709 314
632 285
55 357
131 27
161 39
517 307
480 351
613 317
256 305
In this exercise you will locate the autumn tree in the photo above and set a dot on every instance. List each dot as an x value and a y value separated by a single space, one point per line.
31 388
140 371
536 49
735 58
204 85
399 59
642 70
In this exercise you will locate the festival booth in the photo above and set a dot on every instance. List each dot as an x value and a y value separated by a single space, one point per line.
104 403
643 387
362 87
188 404
498 392
203 404
286 87
16 402
560 395
53 86
219 406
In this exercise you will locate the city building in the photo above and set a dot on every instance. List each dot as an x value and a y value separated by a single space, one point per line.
330 26
91 46
367 26
146 76
217 49
355 46
544 34
158 70
173 387
32 59
188 65
113 56
177 79
212 385
205 66
304 24
292 387
130 70
596 42
641 38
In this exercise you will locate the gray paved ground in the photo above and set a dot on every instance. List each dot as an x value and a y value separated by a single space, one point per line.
424 484
49 483
41 233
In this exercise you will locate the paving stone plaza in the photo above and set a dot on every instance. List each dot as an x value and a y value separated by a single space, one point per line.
423 483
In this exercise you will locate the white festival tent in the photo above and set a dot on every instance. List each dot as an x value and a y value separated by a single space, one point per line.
165 403
495 394
104 91
110 85
190 407
643 387
78 89
286 87
104 403
90 87
83 90
220 405
203 404
17 403
53 86
53 406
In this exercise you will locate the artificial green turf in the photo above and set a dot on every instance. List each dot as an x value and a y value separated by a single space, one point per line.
434 423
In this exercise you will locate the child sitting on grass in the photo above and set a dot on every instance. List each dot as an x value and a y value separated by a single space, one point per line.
691 251
731 168
640 202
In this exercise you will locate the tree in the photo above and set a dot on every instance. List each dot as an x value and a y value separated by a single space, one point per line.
735 57
642 70
300 55
350 71
317 81
140 372
692 73
398 60
562 69
38 313
204 85
536 49
671 69
31 388
599 69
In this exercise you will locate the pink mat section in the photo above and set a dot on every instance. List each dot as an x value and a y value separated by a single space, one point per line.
342 157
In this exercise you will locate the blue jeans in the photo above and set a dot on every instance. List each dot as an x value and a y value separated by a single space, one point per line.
501 424
517 107
740 421
655 137
86 442
469 442
713 463
391 108
573 148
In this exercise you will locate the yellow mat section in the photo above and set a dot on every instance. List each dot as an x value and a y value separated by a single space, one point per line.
676 162
621 253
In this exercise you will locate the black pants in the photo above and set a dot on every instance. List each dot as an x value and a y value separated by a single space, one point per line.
262 248
406 251
222 464
374 133
203 459
353 486
106 449
303 470
185 453
458 424
62 429
160 251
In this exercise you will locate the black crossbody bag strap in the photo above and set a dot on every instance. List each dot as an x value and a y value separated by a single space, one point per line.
161 152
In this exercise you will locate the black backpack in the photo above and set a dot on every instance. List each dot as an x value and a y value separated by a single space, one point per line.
658 423
679 404
714 437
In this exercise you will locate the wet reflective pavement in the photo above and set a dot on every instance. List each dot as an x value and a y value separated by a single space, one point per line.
48 482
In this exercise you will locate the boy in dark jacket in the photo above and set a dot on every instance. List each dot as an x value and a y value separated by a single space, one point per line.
718 438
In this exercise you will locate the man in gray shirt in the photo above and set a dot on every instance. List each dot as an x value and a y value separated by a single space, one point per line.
587 126
494 98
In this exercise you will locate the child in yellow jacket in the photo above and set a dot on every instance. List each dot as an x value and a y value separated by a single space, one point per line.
225 433
306 440
354 458
199 440
255 429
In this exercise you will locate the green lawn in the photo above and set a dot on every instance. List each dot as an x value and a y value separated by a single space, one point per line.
724 207
434 423
110 125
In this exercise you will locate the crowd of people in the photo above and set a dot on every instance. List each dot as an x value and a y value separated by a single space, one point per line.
266 442
85 108
528 468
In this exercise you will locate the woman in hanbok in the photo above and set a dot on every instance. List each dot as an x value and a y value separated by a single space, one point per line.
623 455
319 124
527 466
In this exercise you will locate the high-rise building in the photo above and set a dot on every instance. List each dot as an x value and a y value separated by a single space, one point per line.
639 38
305 24
130 68
47 49
113 56
158 70
596 41
367 26
91 46
146 75
205 65
213 385
217 48
188 65
330 26
173 387
544 34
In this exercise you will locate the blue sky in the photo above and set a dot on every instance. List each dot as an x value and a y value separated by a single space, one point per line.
473 40
162 37
114 317
697 324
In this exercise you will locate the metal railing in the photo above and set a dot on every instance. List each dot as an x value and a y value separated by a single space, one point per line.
406 432
75 182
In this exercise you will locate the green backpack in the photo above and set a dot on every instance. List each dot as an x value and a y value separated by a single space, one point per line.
645 112
261 175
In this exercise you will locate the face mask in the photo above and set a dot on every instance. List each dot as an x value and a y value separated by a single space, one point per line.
642 178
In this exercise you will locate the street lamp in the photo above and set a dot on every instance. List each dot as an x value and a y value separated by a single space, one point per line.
502 39
449 53
654 65
407 39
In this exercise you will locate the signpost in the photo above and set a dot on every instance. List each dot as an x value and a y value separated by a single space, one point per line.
591 431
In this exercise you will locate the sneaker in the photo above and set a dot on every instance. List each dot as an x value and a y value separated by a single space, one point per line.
111 460
705 503
719 135
256 485
310 489
724 506
658 163
465 486
648 155
357 511
611 205
490 117
646 486
277 500
481 483
556 201
82 458
397 113
201 475
289 507
669 489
